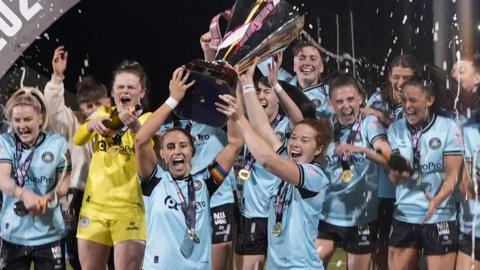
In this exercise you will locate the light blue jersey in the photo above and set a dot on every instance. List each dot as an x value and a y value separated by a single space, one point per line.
169 245
209 141
257 189
50 158
441 137
353 203
386 189
469 208
318 94
295 247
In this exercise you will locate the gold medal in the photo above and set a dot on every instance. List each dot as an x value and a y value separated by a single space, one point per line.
277 229
114 150
244 174
347 176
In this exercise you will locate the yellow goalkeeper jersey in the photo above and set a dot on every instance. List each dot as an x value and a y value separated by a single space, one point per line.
113 188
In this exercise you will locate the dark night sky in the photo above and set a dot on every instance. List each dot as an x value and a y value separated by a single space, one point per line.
165 34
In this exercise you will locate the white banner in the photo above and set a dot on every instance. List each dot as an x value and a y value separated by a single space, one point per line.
21 21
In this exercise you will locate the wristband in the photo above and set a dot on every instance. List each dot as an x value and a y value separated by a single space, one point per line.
171 102
248 88
278 88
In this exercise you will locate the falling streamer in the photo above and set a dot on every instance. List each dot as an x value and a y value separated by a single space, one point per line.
353 42
22 79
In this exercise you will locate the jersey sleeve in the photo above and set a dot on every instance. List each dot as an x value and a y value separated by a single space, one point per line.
6 156
392 140
453 145
65 162
312 179
374 129
148 184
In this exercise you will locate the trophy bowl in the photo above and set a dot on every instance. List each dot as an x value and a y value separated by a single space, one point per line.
257 28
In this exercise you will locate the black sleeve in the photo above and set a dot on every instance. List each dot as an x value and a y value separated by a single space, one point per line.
150 183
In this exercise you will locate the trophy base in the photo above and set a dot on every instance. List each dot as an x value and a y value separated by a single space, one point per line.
211 80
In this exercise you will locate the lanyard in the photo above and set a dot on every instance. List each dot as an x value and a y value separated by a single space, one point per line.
250 159
189 210
416 149
351 138
117 138
280 202
21 171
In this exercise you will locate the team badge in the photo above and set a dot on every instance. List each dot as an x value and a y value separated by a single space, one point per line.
434 143
47 157
197 184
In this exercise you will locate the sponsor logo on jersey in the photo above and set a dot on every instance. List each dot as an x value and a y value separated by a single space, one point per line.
171 203
47 157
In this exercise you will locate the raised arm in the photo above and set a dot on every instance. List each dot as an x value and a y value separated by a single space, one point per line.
285 169
145 154
63 119
291 109
256 113
208 52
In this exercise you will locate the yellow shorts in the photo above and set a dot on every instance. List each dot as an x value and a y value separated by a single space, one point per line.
111 231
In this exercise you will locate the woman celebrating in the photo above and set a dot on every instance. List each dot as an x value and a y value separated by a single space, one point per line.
112 211
178 211
386 105
424 215
34 170
296 200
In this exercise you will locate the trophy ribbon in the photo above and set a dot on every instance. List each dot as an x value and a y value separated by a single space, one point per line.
250 26
215 28
279 208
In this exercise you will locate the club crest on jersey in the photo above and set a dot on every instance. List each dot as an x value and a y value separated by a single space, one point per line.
358 138
434 143
281 136
317 102
47 157
197 184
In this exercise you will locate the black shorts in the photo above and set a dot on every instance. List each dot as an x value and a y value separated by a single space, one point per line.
48 256
385 217
223 220
465 245
434 239
356 240
252 236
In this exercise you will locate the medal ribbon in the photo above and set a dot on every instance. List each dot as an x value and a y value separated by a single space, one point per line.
21 171
189 210
280 203
351 138
250 159
117 138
